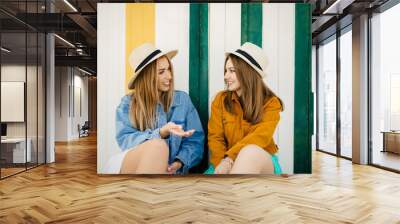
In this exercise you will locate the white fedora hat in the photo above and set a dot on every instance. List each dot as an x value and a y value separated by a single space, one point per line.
143 55
252 55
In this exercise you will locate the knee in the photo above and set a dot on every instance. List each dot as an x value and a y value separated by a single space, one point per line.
158 146
252 159
251 151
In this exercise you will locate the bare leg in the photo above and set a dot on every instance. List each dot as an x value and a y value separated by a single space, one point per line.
150 157
154 158
252 159
131 160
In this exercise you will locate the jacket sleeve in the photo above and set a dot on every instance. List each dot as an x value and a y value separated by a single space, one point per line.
263 131
126 135
191 148
216 137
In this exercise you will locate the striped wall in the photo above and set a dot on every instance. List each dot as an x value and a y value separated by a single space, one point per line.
202 33
166 26
111 76
172 32
139 28
303 96
278 43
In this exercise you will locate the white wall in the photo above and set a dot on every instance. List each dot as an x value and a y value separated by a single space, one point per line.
110 73
80 83
61 103
66 100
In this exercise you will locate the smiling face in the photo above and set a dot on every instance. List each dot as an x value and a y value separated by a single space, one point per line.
164 74
230 77
153 85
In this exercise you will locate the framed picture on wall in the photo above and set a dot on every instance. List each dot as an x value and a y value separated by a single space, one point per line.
155 58
12 101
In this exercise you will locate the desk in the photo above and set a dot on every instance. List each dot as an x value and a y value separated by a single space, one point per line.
391 141
16 147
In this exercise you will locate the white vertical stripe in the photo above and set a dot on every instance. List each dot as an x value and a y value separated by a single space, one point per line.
313 89
233 18
224 34
111 74
271 48
278 42
270 44
172 32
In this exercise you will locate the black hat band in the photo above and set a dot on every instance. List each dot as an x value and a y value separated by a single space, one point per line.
249 57
147 59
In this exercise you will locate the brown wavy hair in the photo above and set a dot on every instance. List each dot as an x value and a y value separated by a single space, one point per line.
146 96
255 93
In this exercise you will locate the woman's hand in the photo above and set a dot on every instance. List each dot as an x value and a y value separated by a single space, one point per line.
174 167
224 167
172 128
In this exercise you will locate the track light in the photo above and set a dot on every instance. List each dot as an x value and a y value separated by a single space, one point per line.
64 40
84 71
70 5
337 7
5 50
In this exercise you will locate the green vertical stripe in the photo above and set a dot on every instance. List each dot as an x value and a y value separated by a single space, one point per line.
302 102
198 66
251 23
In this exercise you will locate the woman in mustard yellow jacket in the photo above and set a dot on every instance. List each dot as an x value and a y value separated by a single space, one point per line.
244 117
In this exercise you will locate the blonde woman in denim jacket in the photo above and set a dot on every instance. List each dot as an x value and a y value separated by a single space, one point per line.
158 129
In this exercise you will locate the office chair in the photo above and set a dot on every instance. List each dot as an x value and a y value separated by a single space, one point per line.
84 130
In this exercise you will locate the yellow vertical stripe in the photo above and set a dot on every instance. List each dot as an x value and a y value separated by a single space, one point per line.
140 28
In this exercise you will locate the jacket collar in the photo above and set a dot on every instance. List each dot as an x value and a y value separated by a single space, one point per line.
235 97
177 101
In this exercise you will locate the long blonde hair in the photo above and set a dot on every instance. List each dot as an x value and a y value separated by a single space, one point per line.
145 97
255 93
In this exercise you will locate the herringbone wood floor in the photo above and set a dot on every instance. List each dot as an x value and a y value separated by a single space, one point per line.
70 191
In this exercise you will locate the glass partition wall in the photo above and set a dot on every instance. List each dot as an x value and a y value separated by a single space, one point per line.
326 98
346 95
334 94
22 77
385 90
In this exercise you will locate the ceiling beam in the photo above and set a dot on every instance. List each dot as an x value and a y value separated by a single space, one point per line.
84 24
83 61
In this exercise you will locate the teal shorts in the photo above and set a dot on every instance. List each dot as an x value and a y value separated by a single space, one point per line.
275 162
277 166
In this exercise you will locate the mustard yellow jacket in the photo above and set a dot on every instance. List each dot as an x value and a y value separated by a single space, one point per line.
229 133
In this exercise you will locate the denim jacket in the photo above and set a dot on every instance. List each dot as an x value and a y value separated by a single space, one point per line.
188 150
